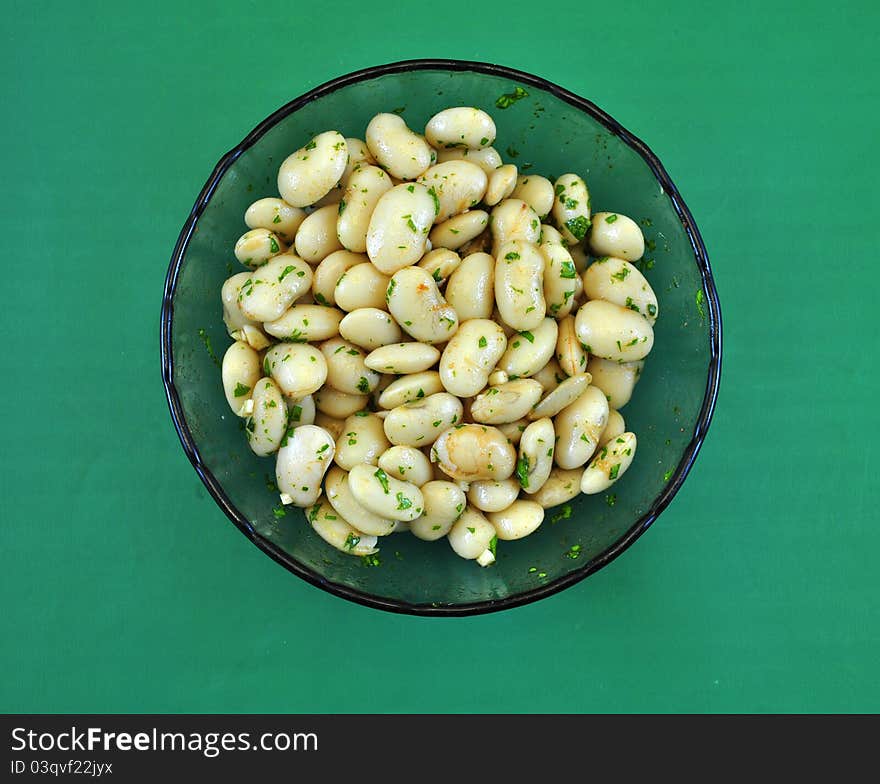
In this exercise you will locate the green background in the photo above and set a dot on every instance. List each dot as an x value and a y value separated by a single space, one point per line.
124 586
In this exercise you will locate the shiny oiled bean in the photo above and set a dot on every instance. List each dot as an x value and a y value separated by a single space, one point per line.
255 247
618 281
301 323
616 235
460 126
569 352
561 486
529 351
561 396
440 263
298 368
519 284
578 427
615 427
474 452
536 191
488 159
459 229
513 219
398 231
513 430
331 424
550 376
470 356
366 186
418 306
370 328
358 152
384 495
339 404
502 181
316 238
330 270
402 358
471 535
313 170
493 496
302 462
407 464
444 503
273 288
616 379
471 287
275 215
338 532
412 387
560 277
301 411
398 150
229 296
362 441
361 286
341 499
519 520
267 424
610 463
506 402
613 332
536 455
456 185
240 371
571 210
419 422
346 370
253 336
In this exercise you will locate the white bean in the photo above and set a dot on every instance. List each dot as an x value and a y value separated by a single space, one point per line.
615 427
361 286
397 149
616 235
571 210
471 288
346 370
459 229
502 181
370 328
301 411
519 284
419 422
513 430
366 186
275 215
240 371
298 368
407 464
253 336
519 520
470 356
399 226
561 396
440 263
313 170
578 427
561 486
330 270
506 402
302 462
569 352
493 496
402 358
229 296
513 219
456 186
609 464
341 499
273 288
616 379
266 426
339 404
471 535
536 455
384 495
613 332
444 503
362 441
412 387
338 532
536 191
488 159
473 452
529 351
460 126
316 238
418 306
560 277
301 323
550 376
255 247
332 425
618 281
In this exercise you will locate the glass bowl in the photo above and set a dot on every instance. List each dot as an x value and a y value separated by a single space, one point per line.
541 128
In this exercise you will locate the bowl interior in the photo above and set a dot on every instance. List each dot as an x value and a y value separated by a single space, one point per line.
540 133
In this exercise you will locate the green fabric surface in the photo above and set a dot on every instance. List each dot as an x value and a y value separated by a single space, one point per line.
125 588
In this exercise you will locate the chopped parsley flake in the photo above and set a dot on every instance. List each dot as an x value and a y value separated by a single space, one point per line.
383 479
614 471
610 218
578 227
482 342
241 389
508 99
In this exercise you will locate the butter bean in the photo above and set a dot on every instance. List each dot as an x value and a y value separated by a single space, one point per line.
513 219
384 495
612 332
474 452
529 351
346 369
316 238
561 486
301 411
470 356
519 284
412 387
366 186
266 426
370 328
332 425
302 463
398 150
456 186
513 430
330 270
362 441
571 210
578 427
536 449
610 463
560 277
341 499
361 286
488 158
440 263
229 296
401 358
459 229
419 422
618 281
471 535
616 379
398 230
444 503
255 247
616 235
418 306
407 464
561 396
313 170
569 352
470 289
338 532
519 520
615 427
493 496
339 404
241 372
550 376
275 215
298 368
502 181
272 289
506 402
536 191
460 126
